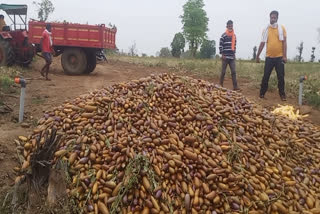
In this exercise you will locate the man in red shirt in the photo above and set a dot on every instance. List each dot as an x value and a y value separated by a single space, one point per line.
47 50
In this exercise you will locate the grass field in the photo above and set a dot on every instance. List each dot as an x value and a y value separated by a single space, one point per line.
248 70
7 75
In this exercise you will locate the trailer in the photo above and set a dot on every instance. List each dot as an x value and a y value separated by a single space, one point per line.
78 44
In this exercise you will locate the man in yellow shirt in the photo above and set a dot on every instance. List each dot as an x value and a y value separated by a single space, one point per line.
2 22
275 36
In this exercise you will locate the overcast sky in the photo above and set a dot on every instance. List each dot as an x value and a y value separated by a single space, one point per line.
152 24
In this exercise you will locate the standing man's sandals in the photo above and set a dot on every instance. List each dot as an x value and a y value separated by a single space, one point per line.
283 98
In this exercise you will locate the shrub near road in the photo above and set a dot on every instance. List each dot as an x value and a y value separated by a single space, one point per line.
7 75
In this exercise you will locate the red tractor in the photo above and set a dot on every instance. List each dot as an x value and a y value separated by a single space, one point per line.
14 44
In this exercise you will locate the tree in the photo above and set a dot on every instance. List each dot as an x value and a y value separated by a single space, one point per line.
319 34
133 50
195 24
186 55
299 56
165 52
177 45
312 54
208 49
254 55
45 8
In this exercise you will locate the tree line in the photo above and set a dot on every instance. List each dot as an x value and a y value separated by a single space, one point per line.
195 27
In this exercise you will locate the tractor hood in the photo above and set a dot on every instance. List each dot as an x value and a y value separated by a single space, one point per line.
14 9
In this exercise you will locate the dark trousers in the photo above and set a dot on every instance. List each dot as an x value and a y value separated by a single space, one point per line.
271 63
232 65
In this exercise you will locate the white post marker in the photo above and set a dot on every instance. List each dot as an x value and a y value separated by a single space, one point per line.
302 78
23 84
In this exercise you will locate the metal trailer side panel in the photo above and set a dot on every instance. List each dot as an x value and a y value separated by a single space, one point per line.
74 35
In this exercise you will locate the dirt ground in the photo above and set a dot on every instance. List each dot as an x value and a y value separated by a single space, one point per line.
43 95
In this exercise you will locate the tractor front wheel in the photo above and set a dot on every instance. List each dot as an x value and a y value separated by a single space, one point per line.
74 61
6 53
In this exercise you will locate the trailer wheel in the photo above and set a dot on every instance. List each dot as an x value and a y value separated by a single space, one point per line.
6 53
74 61
92 61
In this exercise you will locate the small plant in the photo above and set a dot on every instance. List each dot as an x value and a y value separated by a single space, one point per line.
37 100
313 99
5 83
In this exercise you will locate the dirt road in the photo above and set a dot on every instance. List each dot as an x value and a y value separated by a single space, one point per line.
43 95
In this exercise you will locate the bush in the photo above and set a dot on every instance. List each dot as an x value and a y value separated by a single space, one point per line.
313 99
5 83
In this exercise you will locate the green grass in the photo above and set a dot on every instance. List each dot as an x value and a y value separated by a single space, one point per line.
5 204
37 100
313 99
6 83
247 70
7 75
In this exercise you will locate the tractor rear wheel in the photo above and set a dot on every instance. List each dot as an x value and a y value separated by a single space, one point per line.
6 53
74 61
28 55
91 60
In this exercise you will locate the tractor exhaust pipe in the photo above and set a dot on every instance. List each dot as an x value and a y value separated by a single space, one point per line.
23 84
